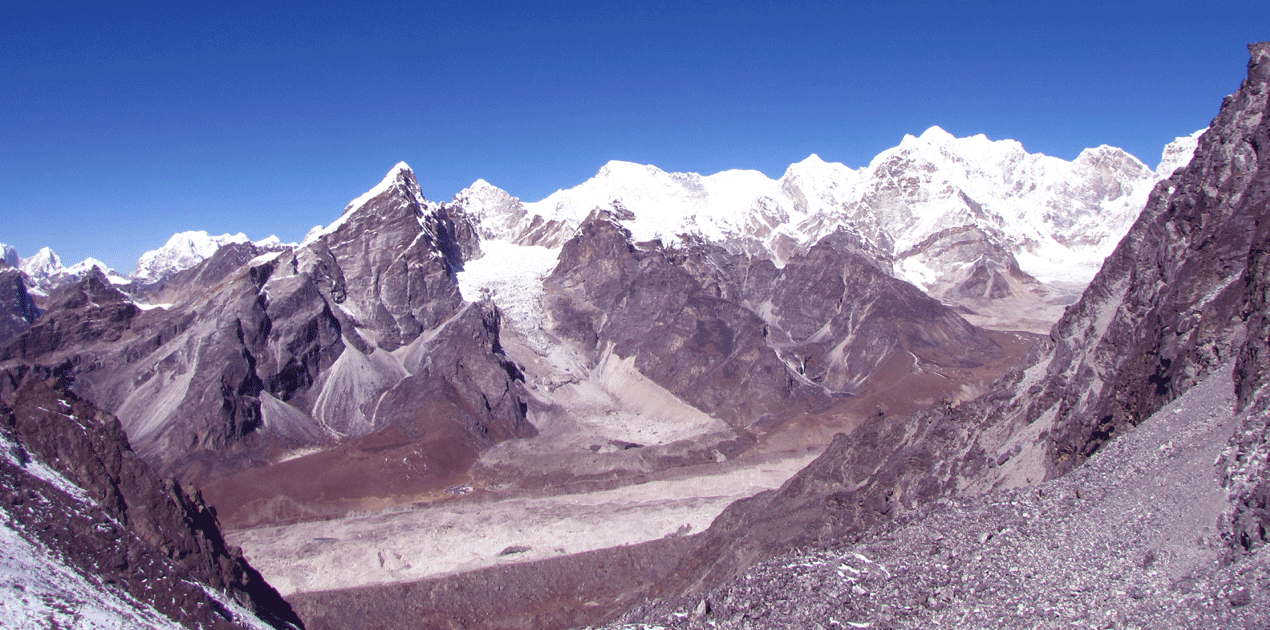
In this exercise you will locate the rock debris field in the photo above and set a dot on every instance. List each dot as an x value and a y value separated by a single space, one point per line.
1129 540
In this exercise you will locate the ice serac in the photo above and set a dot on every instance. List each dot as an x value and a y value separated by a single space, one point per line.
256 370
73 486
1182 294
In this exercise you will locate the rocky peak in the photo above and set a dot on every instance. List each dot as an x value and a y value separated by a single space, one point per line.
93 289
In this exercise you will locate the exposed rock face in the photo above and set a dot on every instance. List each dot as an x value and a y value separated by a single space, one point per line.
1246 466
742 340
1166 309
153 539
359 334
17 309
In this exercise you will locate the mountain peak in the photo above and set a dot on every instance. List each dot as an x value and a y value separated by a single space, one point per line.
182 251
622 169
10 255
43 264
936 134
400 175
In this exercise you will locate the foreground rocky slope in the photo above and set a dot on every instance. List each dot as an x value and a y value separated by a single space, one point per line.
79 497
1130 539
1182 294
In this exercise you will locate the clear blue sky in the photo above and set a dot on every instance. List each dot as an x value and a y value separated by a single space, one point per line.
122 123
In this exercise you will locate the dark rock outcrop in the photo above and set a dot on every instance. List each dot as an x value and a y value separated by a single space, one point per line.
1246 464
151 538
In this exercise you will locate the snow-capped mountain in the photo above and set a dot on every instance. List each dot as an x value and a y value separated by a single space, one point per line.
969 220
1178 154
186 249
46 272
43 265
9 255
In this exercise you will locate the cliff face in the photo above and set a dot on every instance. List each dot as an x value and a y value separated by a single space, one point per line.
153 539
1246 464
1168 307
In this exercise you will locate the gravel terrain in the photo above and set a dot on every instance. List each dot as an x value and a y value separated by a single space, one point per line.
1129 540
478 531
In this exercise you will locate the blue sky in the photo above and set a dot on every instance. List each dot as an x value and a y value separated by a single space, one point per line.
120 125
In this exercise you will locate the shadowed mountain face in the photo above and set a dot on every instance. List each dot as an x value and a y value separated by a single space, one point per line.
17 308
358 338
743 340
1177 299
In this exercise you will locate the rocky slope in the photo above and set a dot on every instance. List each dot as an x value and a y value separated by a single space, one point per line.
85 506
1182 294
1130 539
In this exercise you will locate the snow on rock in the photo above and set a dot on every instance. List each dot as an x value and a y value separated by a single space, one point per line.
43 265
399 175
9 255
1059 218
182 251
42 591
1178 154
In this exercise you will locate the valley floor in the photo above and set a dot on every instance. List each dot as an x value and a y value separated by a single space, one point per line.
485 529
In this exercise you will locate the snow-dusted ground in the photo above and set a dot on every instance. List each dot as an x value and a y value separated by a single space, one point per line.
38 591
471 533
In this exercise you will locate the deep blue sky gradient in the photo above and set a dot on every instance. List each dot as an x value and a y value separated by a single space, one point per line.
120 125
